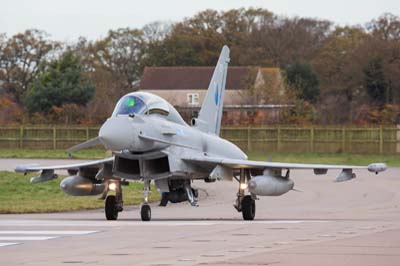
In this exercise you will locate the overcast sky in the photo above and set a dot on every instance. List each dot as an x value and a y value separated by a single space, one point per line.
66 20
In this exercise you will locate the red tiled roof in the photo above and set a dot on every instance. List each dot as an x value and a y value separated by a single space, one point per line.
188 78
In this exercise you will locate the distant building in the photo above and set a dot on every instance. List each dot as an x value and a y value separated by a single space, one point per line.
185 88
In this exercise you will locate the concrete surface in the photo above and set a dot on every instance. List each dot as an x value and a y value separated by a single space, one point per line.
351 223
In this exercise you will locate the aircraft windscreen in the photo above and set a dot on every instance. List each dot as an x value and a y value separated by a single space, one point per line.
131 105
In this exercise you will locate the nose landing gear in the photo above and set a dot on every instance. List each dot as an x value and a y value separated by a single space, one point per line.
145 210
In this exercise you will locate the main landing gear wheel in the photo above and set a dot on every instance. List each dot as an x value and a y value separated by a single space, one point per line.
248 208
111 208
145 213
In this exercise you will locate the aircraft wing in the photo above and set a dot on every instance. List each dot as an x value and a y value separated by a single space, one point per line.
248 164
36 167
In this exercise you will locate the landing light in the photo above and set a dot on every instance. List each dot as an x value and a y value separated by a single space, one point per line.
112 186
243 186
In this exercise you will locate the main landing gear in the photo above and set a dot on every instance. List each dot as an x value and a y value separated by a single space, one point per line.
114 203
245 203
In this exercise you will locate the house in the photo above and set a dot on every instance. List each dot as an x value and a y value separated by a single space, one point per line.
185 88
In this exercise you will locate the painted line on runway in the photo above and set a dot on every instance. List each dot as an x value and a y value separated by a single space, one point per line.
26 238
55 223
48 232
7 244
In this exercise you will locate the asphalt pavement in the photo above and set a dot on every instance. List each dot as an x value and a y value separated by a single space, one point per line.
350 223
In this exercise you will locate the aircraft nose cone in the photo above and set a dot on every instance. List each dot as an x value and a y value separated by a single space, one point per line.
117 134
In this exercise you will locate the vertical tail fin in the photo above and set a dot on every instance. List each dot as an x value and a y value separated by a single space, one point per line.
210 115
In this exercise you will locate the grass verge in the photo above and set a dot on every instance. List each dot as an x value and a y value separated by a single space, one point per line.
324 158
52 154
328 158
17 195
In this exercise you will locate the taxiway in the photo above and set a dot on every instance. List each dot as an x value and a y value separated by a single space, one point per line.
350 223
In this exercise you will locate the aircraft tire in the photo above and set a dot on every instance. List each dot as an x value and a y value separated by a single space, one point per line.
111 208
145 213
248 208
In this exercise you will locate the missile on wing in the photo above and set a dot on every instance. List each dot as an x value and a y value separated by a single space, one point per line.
81 186
45 175
266 185
377 167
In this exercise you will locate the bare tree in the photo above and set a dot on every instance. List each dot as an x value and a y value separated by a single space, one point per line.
21 57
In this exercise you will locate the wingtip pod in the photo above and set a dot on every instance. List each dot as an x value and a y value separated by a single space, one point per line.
377 167
24 168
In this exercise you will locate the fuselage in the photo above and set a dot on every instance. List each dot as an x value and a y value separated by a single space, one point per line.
162 131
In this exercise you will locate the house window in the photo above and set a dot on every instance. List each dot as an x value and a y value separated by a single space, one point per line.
193 98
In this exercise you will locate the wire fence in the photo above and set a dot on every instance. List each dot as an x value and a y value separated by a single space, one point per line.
257 139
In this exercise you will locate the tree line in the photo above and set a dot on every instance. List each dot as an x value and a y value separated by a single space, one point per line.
334 74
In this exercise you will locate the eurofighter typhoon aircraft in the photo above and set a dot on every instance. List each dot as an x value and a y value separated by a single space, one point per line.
151 142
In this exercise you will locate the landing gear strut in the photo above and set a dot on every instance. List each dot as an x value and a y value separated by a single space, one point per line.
245 203
145 210
114 203
191 195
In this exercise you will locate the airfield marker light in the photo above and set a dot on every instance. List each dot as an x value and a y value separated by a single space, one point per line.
243 186
112 186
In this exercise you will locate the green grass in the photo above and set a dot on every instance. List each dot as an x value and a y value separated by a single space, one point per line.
328 158
57 154
325 158
17 195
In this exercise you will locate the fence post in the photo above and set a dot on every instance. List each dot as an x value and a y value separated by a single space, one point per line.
54 138
398 138
248 138
21 136
343 139
381 139
278 139
312 139
87 133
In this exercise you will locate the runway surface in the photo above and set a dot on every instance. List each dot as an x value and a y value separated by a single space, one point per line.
351 223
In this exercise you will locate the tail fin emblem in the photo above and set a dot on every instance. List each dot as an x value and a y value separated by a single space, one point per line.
216 93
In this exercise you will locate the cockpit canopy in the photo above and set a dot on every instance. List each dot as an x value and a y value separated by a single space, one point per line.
146 104
130 104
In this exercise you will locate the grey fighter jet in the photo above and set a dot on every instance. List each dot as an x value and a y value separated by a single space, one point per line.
151 142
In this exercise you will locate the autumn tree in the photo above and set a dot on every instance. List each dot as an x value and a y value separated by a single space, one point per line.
156 31
375 82
121 53
384 46
20 58
281 41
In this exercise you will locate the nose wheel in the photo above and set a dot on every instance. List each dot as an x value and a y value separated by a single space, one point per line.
145 210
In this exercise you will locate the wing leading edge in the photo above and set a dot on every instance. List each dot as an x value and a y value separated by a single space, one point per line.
36 168
248 164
